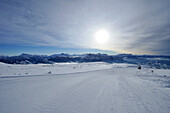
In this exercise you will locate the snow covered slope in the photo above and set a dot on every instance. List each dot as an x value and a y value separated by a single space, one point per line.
109 88
46 69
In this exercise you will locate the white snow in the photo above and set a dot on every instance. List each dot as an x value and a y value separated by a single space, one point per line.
83 88
42 69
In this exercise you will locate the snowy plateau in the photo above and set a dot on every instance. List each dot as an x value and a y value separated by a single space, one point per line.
87 87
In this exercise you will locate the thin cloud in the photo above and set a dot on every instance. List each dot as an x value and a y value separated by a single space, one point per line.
139 27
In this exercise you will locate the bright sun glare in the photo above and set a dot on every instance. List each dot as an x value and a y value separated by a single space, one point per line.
102 36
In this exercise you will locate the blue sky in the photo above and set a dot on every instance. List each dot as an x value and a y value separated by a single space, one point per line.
54 26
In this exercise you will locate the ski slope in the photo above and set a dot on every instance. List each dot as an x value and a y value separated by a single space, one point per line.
120 88
44 69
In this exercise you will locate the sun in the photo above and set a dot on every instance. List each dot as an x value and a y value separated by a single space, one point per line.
102 36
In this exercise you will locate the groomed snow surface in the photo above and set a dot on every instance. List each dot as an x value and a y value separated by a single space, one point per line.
83 88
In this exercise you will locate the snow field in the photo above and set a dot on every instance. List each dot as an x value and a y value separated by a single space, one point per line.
44 69
109 88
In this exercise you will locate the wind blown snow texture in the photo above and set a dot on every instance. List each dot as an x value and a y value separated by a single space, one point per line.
83 88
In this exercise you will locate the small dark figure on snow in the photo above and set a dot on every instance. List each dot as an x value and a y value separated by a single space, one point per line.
139 66
152 71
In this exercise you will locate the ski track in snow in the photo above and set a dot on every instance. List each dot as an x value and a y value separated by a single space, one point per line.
115 90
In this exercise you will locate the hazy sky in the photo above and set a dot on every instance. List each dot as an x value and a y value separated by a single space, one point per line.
134 26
